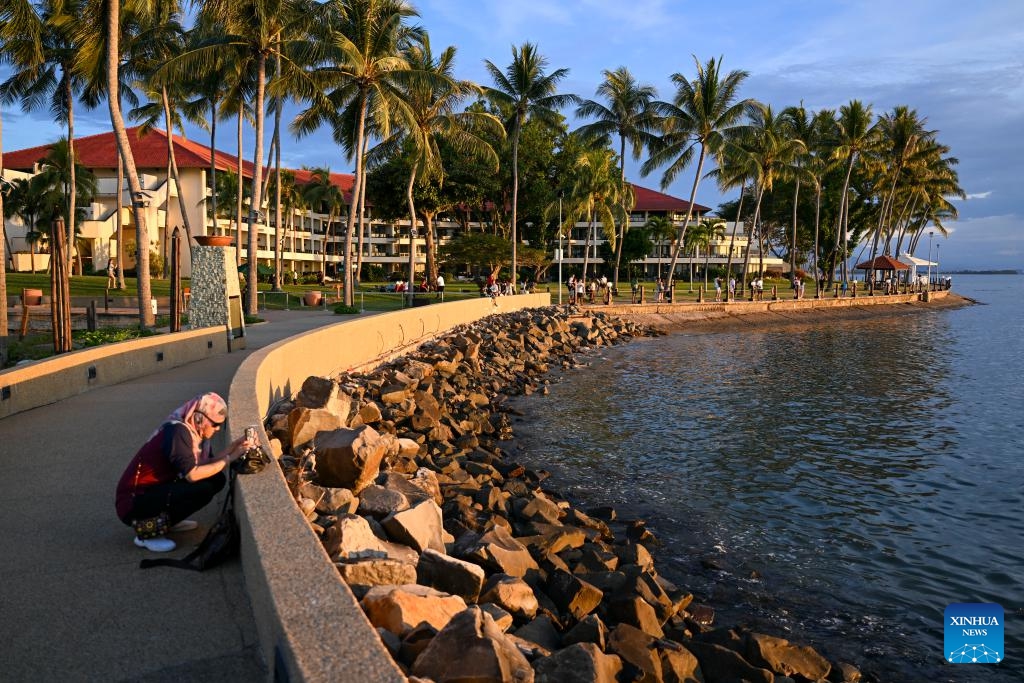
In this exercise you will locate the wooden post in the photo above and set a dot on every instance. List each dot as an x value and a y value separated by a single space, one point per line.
90 316
175 325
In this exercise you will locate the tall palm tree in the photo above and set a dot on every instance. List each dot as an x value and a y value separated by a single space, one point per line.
855 134
3 250
800 126
525 90
734 169
819 164
431 117
364 69
698 116
627 114
42 45
59 172
769 152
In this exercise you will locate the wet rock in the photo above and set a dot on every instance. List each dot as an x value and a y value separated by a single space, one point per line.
782 657
472 648
579 663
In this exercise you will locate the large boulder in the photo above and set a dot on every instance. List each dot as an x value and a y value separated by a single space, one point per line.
374 571
324 393
579 663
349 458
782 657
419 527
472 648
400 609
305 424
450 575
499 551
512 594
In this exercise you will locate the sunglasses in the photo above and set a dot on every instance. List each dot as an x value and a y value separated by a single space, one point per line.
216 425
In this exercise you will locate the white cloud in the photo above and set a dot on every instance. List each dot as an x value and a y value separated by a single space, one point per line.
975 195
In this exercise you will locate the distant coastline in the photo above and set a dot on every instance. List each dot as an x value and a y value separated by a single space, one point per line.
1006 271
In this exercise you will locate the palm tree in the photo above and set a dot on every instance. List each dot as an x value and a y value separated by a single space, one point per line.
699 115
769 152
58 172
854 135
710 232
734 170
526 91
36 201
823 127
628 114
364 69
4 252
595 197
800 126
319 194
660 228
42 47
430 118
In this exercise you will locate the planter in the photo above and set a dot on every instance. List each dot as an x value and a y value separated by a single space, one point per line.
214 240
312 298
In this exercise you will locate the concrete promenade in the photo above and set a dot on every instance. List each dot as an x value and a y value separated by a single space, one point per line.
74 606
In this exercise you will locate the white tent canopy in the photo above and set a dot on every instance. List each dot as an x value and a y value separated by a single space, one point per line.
914 261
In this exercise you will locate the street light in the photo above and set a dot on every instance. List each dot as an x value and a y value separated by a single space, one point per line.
412 274
930 233
938 277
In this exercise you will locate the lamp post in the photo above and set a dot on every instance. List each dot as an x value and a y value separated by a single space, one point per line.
938 277
560 257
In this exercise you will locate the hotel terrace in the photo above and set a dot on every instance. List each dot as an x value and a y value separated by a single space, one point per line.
304 234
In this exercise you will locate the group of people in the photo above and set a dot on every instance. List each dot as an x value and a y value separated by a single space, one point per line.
718 288
493 287
583 290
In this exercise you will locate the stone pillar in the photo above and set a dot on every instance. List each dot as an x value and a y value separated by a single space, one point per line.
216 299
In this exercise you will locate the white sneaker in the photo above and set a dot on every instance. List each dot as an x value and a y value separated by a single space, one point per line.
156 545
185 525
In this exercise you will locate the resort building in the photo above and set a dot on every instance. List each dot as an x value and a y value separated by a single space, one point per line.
312 241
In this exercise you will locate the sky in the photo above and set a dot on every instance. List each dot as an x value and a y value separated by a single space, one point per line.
959 64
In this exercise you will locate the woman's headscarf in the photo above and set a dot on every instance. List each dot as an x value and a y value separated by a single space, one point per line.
209 404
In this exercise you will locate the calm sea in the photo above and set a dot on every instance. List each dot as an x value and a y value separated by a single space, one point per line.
839 485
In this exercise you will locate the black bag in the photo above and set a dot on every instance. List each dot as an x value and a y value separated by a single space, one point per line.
222 541
252 462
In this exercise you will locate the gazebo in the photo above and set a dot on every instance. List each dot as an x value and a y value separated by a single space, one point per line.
882 263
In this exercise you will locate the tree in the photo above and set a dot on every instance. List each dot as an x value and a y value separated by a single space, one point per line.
595 197
628 114
42 46
364 68
854 135
660 229
320 194
699 115
800 126
430 116
3 251
59 173
36 201
478 249
526 91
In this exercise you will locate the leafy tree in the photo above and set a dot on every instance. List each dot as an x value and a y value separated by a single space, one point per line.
477 249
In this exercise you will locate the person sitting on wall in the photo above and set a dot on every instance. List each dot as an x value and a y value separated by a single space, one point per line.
175 473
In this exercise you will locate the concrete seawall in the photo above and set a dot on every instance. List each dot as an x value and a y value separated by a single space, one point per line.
311 626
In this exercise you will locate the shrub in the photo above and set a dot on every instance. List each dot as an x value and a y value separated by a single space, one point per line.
372 273
342 309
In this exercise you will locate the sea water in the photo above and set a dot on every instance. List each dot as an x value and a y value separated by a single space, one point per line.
838 485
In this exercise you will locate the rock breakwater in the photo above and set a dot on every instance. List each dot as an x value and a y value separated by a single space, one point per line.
467 563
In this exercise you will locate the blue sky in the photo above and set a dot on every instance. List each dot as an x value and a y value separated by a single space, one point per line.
959 64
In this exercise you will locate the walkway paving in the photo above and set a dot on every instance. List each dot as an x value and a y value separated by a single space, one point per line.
74 606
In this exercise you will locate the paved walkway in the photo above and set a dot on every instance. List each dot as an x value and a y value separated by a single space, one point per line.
74 606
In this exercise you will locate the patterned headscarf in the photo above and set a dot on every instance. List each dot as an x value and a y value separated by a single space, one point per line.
209 404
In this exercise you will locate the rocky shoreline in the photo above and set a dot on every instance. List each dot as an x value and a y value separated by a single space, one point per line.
466 563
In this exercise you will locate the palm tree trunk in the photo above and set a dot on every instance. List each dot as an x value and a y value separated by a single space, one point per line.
817 225
182 207
3 261
238 200
792 246
410 288
69 99
356 189
166 239
844 215
750 235
732 241
257 203
586 249
689 213
213 167
515 201
117 121
625 212
118 223
362 220
278 107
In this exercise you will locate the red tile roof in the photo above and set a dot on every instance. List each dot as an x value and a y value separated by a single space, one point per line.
650 200
150 150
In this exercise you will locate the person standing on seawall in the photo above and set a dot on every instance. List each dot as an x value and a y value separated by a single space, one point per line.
175 473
